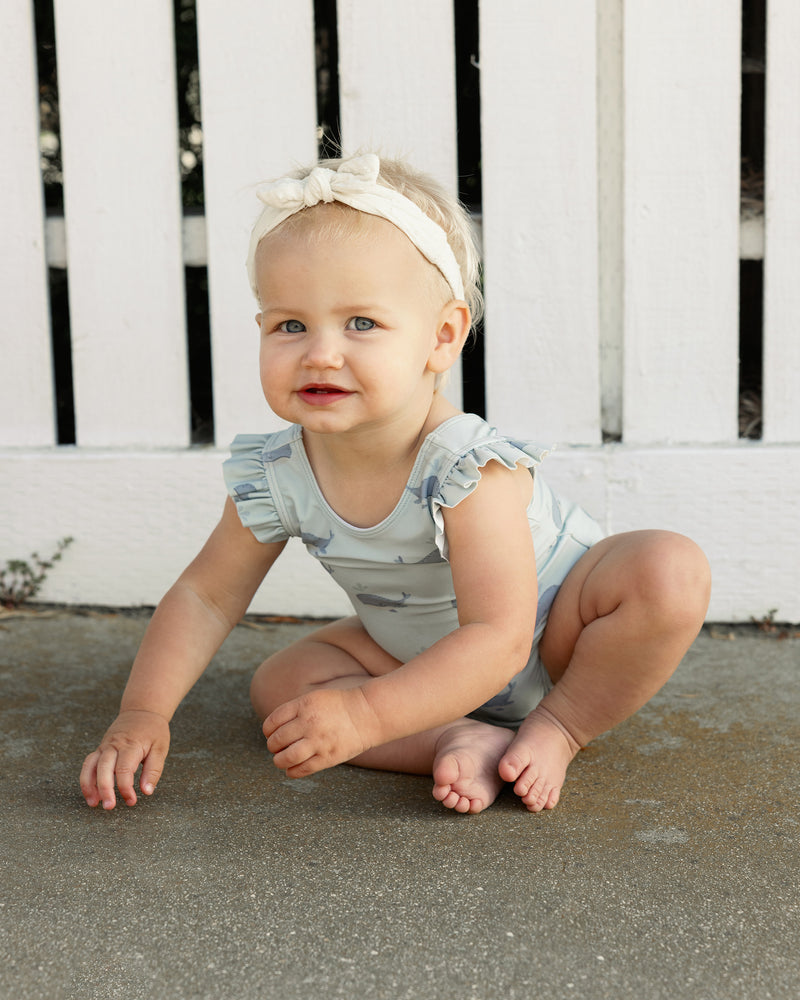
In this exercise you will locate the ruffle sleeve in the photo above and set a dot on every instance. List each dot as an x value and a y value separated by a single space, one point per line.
465 474
248 486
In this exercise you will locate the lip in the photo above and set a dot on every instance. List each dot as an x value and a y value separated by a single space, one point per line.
322 393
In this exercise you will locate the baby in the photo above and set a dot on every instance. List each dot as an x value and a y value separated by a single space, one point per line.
496 631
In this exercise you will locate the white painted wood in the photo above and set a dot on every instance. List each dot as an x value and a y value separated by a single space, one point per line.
538 110
127 507
782 225
259 120
682 87
397 90
27 410
397 82
736 502
122 213
138 518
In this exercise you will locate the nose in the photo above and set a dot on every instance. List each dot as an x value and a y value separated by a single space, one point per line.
323 350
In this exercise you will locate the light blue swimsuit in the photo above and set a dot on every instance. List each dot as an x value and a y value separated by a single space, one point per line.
396 573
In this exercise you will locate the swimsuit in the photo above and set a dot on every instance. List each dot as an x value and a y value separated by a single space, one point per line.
396 573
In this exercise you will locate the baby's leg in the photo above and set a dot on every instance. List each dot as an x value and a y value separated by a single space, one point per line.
462 756
621 623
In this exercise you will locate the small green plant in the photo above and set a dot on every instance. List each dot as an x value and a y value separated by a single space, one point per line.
22 579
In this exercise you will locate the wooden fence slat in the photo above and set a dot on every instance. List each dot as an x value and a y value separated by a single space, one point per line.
259 118
386 106
782 225
388 109
27 412
122 215
538 110
682 86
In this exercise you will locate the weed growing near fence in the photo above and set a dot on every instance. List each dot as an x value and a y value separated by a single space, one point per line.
21 579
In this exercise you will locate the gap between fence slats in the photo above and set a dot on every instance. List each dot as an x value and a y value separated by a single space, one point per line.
123 222
681 220
27 410
391 110
610 199
540 218
259 118
782 225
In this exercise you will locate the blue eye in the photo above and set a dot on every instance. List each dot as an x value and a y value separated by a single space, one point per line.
292 326
360 323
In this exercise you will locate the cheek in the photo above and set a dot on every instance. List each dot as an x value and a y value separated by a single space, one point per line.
269 371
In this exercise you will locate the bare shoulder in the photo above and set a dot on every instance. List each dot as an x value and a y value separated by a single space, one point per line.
498 488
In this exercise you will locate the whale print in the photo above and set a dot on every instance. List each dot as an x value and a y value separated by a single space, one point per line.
316 546
244 490
431 557
285 451
377 601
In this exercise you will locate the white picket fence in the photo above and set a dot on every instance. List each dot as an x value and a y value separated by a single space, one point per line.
611 234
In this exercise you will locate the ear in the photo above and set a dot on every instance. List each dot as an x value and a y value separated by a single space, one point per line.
258 320
451 333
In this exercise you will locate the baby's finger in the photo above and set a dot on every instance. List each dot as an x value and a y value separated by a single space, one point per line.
106 765
285 735
294 755
152 770
307 767
88 779
127 764
282 714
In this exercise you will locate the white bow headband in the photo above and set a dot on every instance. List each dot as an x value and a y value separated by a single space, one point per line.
354 183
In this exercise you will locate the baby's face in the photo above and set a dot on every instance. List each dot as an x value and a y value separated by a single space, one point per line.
348 326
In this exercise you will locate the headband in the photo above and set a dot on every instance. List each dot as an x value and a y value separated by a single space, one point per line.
355 183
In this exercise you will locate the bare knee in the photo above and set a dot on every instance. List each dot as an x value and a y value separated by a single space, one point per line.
672 578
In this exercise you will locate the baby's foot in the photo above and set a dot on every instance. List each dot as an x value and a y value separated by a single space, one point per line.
465 771
537 760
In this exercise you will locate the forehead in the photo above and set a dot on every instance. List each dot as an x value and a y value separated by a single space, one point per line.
335 226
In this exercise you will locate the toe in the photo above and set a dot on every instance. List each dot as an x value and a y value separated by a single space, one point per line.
451 800
511 766
446 770
552 798
528 784
541 797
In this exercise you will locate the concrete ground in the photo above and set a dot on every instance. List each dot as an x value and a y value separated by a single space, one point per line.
670 869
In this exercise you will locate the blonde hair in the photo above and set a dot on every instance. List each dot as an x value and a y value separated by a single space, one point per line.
432 199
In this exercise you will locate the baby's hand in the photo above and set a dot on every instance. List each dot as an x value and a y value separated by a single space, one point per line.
318 730
134 738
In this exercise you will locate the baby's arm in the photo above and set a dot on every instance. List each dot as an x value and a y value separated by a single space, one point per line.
186 630
494 573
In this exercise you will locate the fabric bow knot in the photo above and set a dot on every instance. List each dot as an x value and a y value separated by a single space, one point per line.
322 185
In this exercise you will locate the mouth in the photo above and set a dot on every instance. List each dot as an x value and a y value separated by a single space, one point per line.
319 393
